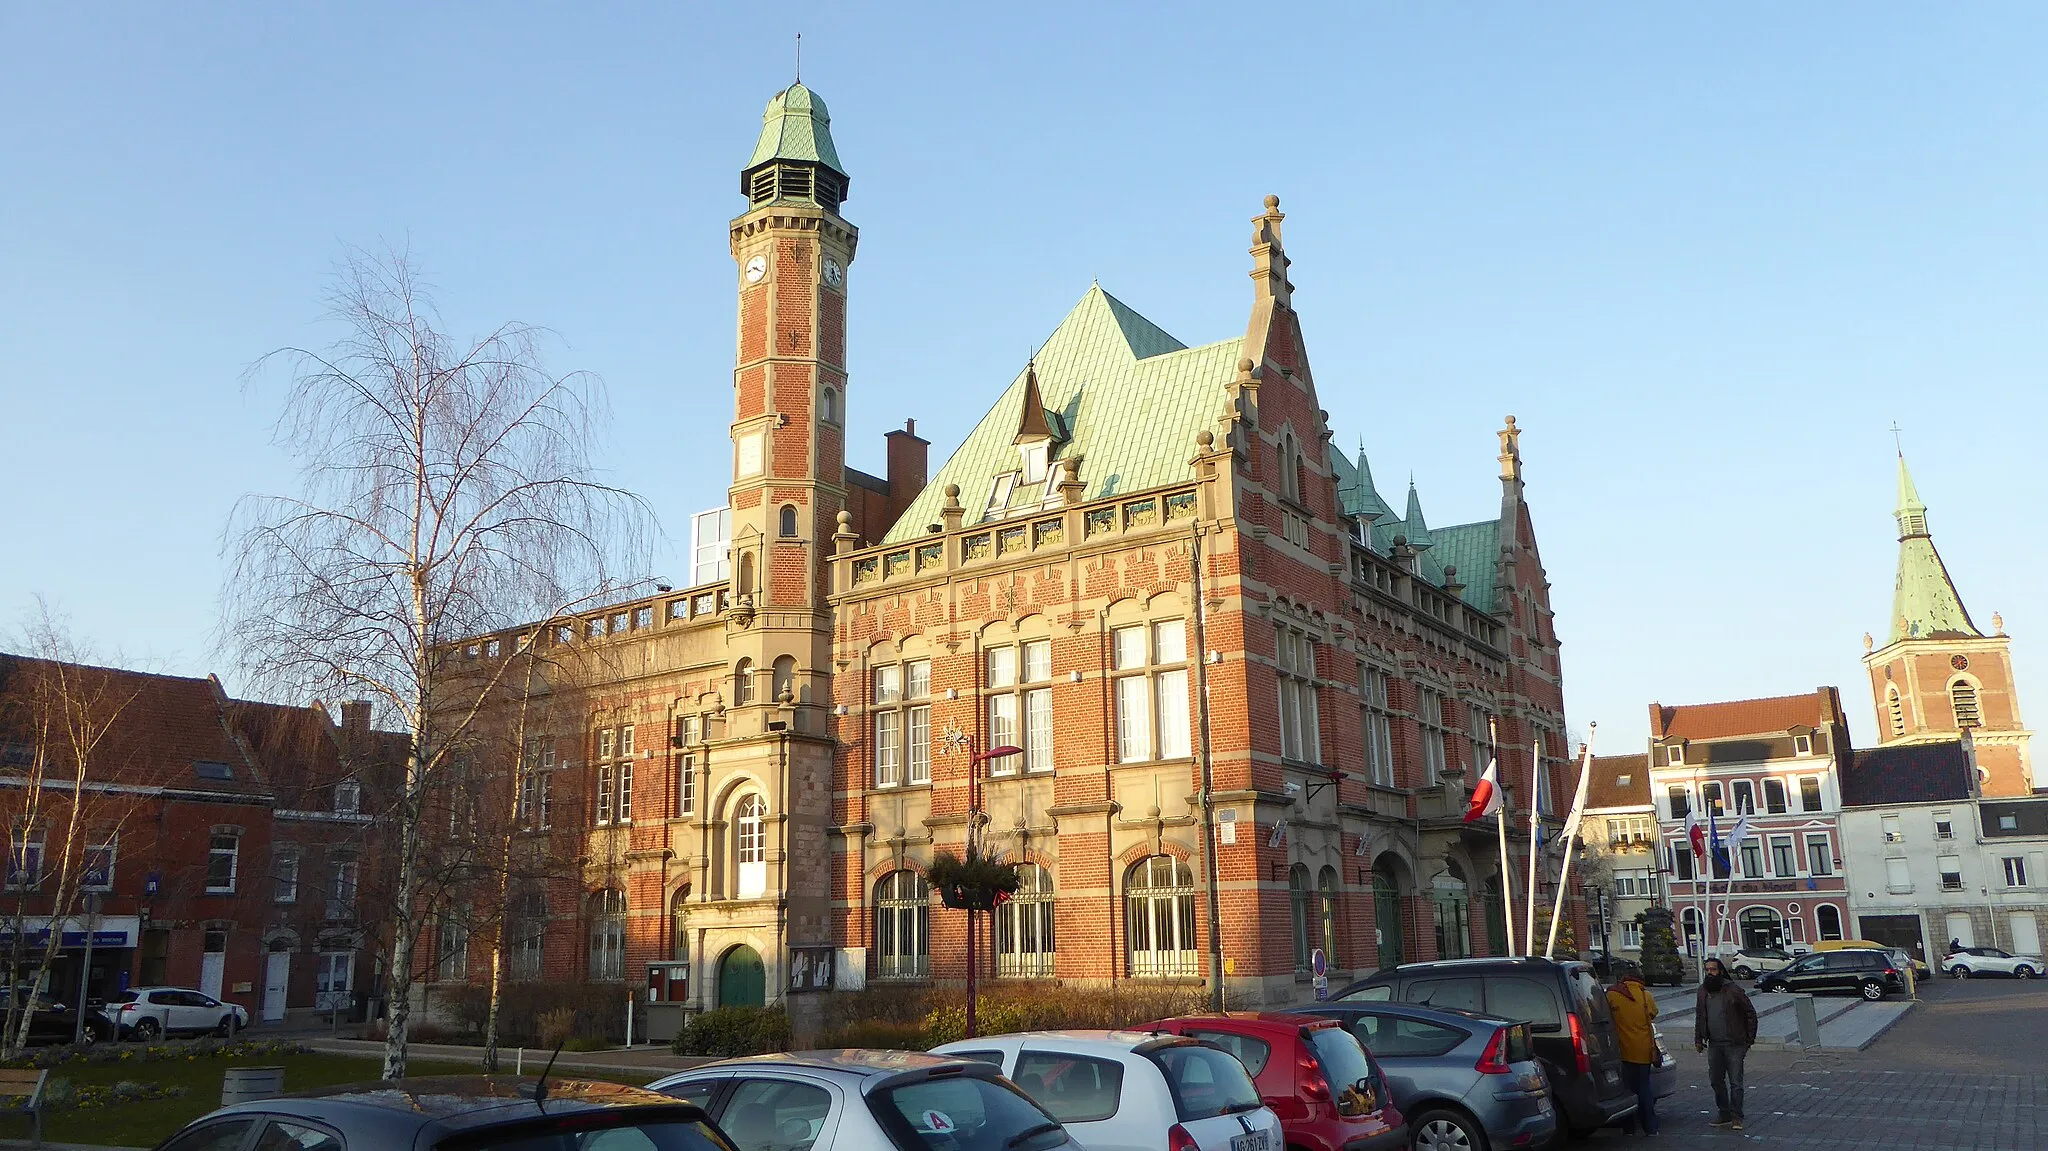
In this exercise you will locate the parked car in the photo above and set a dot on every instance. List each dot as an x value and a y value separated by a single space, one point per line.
904 1100
1860 971
1312 1072
1565 1008
148 1013
1920 969
1133 1090
52 1022
472 1112
1750 962
1990 961
1609 967
1463 1080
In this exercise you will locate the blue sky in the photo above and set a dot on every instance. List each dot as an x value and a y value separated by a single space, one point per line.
1707 256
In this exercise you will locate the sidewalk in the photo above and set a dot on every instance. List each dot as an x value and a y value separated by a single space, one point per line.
650 1062
1846 1024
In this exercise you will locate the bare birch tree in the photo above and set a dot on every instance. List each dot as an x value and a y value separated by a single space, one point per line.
446 491
58 721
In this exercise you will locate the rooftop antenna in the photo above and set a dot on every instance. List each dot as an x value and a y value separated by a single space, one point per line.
799 57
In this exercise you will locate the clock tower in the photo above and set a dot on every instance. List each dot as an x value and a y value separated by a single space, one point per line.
791 249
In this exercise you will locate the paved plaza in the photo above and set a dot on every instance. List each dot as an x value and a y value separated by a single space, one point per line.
1963 1070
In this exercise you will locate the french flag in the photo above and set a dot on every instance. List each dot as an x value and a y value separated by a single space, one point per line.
1696 834
1486 796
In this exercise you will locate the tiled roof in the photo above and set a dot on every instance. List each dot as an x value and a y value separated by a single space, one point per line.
158 727
1924 600
1473 549
796 126
296 745
1741 717
1129 396
1907 773
1619 781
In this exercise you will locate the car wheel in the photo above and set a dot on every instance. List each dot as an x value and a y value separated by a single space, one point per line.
147 1030
1959 971
226 1030
1744 972
1443 1130
2022 972
1873 990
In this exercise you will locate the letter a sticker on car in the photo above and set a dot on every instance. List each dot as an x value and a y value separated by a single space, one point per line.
938 1121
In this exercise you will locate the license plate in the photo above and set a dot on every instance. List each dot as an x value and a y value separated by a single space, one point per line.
1251 1141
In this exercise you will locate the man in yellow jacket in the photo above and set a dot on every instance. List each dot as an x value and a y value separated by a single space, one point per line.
1633 1008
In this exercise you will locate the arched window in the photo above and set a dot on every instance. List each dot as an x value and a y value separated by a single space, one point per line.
750 846
1159 917
903 908
1290 468
784 678
1830 919
1326 892
787 525
608 935
1896 708
1297 905
1761 927
1452 901
1962 696
679 925
1024 927
828 406
743 682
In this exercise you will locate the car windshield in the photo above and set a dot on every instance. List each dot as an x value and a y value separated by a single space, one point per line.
964 1112
1206 1082
121 997
592 1131
1346 1070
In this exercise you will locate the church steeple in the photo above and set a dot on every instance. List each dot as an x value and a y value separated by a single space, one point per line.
1924 603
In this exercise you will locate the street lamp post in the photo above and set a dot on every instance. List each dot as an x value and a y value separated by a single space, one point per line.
973 851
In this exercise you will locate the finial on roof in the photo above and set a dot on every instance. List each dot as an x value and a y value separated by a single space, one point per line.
1868 643
1510 450
1997 624
799 57
1272 203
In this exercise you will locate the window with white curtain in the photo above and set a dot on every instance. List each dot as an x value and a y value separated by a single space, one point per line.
1020 705
1378 725
1300 726
1429 715
1150 662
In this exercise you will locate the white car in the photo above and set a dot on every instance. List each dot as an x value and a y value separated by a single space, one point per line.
148 1013
1990 961
1134 1090
1751 962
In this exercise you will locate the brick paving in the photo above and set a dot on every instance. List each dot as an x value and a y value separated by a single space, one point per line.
1963 1071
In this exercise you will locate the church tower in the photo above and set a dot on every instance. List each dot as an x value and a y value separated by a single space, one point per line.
1937 677
791 249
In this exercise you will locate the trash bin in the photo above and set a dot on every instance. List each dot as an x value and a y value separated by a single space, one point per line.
242 1084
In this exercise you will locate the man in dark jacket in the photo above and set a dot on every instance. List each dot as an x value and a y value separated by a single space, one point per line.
1724 1026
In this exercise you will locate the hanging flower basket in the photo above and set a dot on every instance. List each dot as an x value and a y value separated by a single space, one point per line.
971 882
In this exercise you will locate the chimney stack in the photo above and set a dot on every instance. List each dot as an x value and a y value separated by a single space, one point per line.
909 457
355 718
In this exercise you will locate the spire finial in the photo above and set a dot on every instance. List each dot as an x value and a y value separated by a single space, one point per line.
799 57
1898 443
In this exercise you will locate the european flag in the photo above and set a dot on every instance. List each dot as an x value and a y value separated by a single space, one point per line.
1721 860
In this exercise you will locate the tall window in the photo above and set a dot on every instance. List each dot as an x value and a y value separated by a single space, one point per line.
1745 797
750 846
1895 708
1326 896
1020 705
2015 870
1820 858
1752 859
1298 907
710 546
287 887
903 723
348 797
1151 691
608 935
1024 927
679 925
786 524
1159 918
1300 728
1830 919
686 767
1809 793
1784 860
1774 796
1711 798
626 774
605 793
451 954
222 854
1681 860
1378 725
529 935
743 682
1429 714
903 907
1681 800
1962 696
341 889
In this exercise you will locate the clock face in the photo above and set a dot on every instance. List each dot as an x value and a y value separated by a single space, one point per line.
1959 662
834 273
756 268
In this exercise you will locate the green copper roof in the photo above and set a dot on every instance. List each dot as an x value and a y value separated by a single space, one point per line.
1129 397
1473 549
796 126
1355 489
1924 600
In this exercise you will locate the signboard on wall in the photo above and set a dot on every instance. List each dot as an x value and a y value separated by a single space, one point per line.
811 969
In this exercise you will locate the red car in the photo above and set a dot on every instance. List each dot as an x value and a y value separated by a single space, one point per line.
1324 1086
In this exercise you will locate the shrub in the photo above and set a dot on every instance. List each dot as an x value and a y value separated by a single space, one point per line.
877 1034
734 1031
581 1043
598 1009
557 1026
1660 948
887 1015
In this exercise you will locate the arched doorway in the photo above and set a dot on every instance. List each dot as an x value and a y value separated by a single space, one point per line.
1497 919
1762 929
1386 904
1452 902
742 980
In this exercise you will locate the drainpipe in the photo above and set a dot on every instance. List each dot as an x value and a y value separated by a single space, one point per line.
1208 777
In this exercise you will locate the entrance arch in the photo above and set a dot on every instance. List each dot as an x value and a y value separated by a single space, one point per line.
742 980
1452 902
1762 928
1386 904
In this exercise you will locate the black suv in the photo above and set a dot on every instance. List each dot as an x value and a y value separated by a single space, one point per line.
1853 971
1565 1007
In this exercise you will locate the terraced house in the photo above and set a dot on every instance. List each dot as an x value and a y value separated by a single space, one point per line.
1247 698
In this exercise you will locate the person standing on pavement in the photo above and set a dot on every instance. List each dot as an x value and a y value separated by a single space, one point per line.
1724 1026
1633 1008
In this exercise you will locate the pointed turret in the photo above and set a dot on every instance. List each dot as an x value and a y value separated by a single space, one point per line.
795 159
1413 525
1924 603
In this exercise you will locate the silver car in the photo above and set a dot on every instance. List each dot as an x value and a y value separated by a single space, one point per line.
879 1100
1465 1082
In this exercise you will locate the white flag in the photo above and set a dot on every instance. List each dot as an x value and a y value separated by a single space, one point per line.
1571 821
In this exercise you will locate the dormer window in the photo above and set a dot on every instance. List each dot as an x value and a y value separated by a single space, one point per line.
1034 460
999 495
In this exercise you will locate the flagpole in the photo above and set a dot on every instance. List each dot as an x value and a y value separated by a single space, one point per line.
1507 873
1564 872
1535 836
